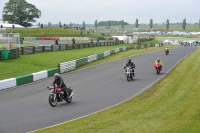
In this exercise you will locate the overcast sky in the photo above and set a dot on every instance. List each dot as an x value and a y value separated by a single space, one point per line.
77 11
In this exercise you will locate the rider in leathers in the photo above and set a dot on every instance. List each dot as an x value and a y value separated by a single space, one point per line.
131 65
60 83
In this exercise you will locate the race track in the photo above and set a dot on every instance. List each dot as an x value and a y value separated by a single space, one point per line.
26 108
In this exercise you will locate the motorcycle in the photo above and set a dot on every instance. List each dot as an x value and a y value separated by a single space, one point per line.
128 73
166 52
57 95
158 68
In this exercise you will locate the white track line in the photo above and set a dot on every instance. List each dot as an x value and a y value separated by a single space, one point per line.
145 89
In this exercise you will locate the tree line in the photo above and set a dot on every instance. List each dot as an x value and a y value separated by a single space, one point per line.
23 13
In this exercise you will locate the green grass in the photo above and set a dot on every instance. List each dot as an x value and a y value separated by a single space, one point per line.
171 106
49 32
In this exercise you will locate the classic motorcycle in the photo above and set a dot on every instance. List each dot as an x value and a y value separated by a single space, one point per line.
166 52
57 95
158 68
129 73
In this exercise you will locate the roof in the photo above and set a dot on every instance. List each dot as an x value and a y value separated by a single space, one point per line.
10 25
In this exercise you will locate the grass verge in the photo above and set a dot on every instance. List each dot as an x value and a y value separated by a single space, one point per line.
30 63
171 106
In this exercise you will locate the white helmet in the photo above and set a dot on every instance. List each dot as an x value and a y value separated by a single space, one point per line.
56 75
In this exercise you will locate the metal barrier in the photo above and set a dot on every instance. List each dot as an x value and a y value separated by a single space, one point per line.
70 65
47 48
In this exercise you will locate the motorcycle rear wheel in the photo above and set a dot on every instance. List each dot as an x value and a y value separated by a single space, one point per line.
158 71
53 100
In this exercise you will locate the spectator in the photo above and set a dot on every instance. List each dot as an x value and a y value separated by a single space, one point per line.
73 41
117 39
97 39
56 41
91 41
11 45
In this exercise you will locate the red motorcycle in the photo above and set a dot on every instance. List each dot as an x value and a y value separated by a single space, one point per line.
57 95
157 68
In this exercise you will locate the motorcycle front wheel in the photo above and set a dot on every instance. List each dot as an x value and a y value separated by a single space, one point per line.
69 100
53 100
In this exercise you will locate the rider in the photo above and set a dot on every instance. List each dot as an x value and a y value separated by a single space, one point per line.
131 65
166 49
60 83
158 61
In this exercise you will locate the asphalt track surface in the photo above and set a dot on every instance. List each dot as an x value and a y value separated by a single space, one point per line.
26 108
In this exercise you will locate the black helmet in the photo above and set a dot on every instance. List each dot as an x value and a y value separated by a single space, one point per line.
129 60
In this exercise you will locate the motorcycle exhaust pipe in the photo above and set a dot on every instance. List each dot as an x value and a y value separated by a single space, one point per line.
71 94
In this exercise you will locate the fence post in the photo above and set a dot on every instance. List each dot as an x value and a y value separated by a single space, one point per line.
79 45
33 49
73 46
66 46
59 47
51 47
22 50
18 52
43 48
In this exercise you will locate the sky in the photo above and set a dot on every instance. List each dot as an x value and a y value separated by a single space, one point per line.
77 11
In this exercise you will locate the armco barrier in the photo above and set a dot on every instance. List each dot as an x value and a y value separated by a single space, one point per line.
106 53
39 75
52 71
24 79
81 62
116 50
92 58
70 65
100 56
7 83
67 66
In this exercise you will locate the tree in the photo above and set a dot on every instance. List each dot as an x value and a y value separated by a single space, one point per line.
41 25
122 23
60 24
136 23
83 24
184 24
95 24
49 24
112 23
151 23
199 23
109 24
70 25
20 12
167 24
